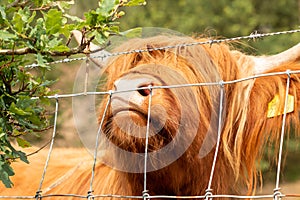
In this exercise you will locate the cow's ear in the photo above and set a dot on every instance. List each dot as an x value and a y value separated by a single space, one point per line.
273 96
264 64
155 51
270 94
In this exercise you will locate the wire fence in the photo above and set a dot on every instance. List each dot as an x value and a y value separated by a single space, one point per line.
144 194
252 36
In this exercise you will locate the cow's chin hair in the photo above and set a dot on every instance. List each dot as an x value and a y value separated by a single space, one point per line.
133 139
130 135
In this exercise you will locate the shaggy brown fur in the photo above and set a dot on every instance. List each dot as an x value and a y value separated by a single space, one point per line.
246 128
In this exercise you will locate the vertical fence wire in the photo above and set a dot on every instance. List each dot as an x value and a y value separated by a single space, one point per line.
276 190
38 193
90 192
209 188
87 71
145 191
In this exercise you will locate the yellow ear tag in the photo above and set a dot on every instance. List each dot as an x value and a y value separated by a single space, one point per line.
274 106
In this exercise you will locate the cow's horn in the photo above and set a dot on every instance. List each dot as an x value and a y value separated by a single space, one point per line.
266 63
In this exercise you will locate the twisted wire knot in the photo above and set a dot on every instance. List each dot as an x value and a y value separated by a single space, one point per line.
38 195
145 194
90 195
208 194
277 194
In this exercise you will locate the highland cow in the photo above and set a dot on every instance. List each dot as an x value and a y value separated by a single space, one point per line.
180 133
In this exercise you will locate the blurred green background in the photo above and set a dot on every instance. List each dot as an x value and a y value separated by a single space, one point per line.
220 18
225 18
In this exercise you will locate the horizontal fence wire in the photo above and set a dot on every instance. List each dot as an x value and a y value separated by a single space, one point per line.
252 36
172 86
267 196
144 195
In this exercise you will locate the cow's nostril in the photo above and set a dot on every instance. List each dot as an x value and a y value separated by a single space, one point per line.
144 91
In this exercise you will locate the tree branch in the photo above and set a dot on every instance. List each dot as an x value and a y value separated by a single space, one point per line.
27 50
21 51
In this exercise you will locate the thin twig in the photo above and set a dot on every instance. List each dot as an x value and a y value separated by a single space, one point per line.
38 150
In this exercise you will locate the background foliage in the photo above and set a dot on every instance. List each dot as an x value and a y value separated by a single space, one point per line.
226 18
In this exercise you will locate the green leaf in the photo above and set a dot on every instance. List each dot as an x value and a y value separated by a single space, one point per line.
91 18
2 12
5 172
132 33
3 18
135 3
26 124
107 7
54 43
8 169
65 4
121 14
23 143
73 18
6 36
14 109
35 120
22 156
31 18
61 48
2 134
18 22
100 38
41 61
115 29
53 21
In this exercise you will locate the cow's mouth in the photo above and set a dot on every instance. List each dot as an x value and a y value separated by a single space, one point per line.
128 127
130 111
